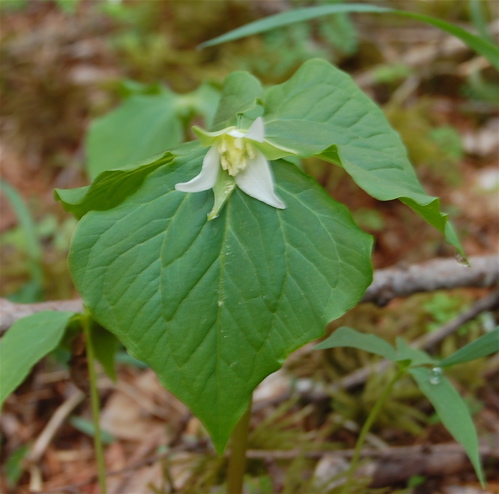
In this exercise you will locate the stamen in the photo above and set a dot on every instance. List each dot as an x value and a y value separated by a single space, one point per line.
250 151
234 153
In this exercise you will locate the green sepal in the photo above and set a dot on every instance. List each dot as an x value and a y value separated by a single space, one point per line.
224 187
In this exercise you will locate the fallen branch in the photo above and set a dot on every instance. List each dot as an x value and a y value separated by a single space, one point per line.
10 311
57 419
437 274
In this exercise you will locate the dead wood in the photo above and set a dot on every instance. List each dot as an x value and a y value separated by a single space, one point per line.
437 274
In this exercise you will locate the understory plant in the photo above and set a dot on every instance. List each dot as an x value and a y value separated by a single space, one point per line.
216 259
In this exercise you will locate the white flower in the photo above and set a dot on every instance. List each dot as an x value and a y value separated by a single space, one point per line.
235 157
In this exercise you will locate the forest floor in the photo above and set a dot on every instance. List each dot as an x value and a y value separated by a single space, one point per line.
60 69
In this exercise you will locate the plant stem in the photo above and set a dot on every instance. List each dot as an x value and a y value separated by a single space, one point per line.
365 429
237 456
94 399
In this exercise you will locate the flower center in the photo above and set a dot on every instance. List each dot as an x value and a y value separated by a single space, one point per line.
234 153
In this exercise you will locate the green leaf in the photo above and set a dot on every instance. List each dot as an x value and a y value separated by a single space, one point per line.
26 342
452 411
87 427
239 96
483 346
112 187
413 355
105 346
320 111
68 6
202 101
348 337
33 290
476 43
142 126
14 465
216 306
479 19
481 46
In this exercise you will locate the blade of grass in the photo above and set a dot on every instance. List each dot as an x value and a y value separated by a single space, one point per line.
27 225
476 43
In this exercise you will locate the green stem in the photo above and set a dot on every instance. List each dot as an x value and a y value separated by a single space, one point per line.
237 456
365 429
94 399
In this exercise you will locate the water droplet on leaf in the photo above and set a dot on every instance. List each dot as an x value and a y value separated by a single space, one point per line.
436 375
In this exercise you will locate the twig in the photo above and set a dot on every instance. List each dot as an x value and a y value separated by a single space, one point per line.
53 425
488 303
437 274
489 447
419 454
422 56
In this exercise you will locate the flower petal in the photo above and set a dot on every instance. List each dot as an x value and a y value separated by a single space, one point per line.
257 130
257 181
208 175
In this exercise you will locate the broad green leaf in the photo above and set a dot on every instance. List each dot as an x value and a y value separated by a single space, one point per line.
26 342
483 346
216 306
481 46
129 87
413 355
240 95
112 187
105 346
142 126
320 111
452 411
348 337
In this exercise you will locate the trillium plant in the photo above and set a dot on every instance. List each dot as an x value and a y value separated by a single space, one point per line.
216 259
